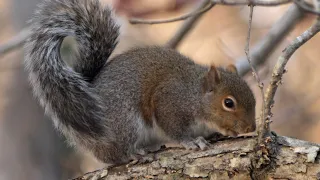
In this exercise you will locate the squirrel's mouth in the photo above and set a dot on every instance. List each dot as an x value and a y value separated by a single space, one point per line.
232 133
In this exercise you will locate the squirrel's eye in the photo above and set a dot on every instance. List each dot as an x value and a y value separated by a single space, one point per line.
229 103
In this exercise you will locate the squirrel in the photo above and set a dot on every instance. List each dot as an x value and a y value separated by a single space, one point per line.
134 103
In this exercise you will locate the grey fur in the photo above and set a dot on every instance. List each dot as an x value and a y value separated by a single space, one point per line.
139 100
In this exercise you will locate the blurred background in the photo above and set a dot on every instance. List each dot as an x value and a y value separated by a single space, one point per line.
30 148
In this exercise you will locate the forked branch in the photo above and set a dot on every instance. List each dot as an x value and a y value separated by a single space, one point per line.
187 26
262 50
279 68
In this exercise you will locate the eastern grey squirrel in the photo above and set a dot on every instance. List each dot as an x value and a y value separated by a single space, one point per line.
136 102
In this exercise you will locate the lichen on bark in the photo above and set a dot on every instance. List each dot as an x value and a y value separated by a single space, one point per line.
227 159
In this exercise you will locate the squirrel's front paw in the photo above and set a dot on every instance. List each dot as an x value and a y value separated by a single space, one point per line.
195 144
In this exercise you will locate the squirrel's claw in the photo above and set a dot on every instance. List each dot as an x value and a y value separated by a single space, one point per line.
195 144
202 143
189 145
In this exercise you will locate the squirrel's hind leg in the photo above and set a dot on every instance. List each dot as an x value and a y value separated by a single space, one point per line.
110 154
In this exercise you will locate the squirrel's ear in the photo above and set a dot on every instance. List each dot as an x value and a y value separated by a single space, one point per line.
232 68
211 78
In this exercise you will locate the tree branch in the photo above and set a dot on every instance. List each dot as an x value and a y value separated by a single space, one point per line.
16 42
228 159
187 26
279 69
255 75
306 7
197 12
279 30
251 2
301 4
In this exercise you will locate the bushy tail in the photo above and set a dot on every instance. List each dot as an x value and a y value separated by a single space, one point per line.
65 94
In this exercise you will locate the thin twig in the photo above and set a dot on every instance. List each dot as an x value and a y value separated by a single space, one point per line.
254 72
187 25
303 5
197 12
180 18
261 51
16 42
279 68
251 2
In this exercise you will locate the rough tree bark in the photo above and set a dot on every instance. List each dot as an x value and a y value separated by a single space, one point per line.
226 159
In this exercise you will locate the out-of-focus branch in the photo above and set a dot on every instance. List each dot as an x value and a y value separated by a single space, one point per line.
261 51
251 2
306 7
197 12
292 17
279 68
187 26
16 42
207 6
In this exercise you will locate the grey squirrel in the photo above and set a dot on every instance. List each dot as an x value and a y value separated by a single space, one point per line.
136 102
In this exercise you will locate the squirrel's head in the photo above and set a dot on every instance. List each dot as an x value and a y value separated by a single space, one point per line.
228 103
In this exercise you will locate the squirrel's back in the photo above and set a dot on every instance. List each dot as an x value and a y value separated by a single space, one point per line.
142 69
150 63
131 79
